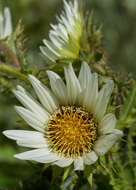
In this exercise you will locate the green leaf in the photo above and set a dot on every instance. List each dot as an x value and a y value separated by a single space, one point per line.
128 108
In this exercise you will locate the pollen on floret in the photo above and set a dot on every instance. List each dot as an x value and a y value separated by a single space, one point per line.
71 132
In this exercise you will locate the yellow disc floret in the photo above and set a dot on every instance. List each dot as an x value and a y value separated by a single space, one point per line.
71 131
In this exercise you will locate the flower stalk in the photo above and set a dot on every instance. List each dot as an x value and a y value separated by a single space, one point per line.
12 71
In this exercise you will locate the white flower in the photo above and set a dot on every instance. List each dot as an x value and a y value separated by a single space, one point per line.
64 38
5 23
71 123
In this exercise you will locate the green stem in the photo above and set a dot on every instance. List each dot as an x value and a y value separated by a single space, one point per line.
5 83
129 105
12 71
130 150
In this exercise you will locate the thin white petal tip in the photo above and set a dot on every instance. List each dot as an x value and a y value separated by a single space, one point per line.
118 132
14 91
18 156
31 78
5 133
49 73
8 134
17 107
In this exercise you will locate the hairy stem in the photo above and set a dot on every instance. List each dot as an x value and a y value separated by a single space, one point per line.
12 71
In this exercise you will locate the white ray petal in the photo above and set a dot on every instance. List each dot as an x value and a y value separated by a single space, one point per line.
90 158
105 142
1 26
64 22
31 139
75 10
73 85
94 93
40 155
23 134
45 51
21 89
84 75
32 144
79 164
58 87
117 132
91 93
107 124
63 162
103 99
55 40
33 154
65 35
68 9
44 94
8 22
86 93
61 33
32 119
51 47
30 103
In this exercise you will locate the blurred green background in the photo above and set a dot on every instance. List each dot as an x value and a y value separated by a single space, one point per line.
118 18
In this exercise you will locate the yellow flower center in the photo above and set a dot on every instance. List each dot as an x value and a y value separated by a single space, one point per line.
71 132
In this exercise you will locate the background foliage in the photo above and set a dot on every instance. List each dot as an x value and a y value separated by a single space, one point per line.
118 19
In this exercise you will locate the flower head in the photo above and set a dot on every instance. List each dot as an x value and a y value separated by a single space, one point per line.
64 38
71 122
5 23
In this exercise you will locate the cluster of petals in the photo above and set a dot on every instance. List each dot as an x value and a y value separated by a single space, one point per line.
64 37
81 91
